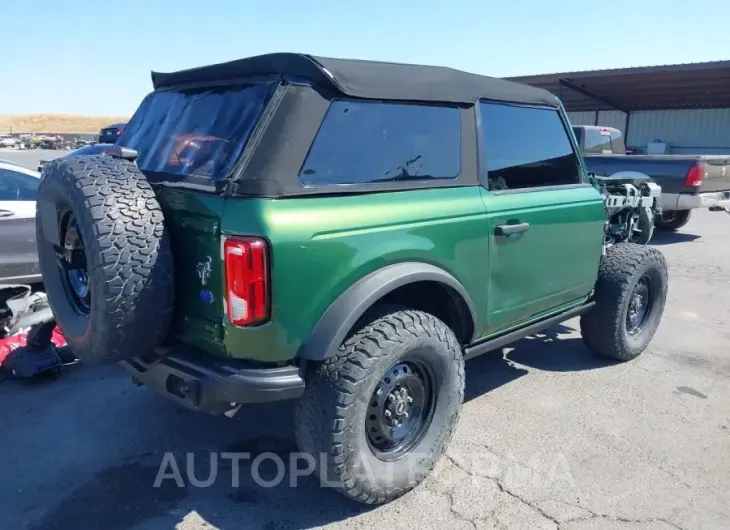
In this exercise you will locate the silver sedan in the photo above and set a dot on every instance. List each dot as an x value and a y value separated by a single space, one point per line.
18 254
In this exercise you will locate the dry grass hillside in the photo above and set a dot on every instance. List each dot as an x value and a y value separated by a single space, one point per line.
56 123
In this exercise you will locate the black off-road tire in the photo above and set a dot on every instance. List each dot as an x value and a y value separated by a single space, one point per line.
604 328
330 419
673 220
128 257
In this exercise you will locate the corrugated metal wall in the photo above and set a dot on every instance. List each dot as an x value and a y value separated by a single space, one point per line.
613 118
686 131
582 118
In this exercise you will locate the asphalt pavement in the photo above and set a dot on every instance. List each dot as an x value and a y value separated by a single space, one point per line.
30 157
551 436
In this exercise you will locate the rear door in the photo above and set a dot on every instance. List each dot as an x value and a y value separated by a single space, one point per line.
189 141
18 254
545 222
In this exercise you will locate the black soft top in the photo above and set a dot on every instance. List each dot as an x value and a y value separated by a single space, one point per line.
366 79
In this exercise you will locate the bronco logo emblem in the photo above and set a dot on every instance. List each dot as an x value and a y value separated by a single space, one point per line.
204 269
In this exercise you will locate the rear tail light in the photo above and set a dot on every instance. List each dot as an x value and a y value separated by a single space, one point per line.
247 280
695 176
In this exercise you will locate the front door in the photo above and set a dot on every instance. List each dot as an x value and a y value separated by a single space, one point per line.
545 222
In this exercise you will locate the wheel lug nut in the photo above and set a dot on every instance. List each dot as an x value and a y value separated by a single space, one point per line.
405 414
388 414
403 392
409 399
391 398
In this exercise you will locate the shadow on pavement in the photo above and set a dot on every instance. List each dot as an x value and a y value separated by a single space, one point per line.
133 433
552 350
670 238
249 493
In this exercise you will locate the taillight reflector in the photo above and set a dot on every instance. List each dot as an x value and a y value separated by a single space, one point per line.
247 280
695 176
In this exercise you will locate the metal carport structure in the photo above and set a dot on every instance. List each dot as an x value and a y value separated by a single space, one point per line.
687 105
680 86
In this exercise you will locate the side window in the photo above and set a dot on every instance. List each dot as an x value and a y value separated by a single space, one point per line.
526 147
598 141
364 142
15 186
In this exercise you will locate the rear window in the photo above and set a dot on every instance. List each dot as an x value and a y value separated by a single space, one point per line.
366 142
195 132
597 141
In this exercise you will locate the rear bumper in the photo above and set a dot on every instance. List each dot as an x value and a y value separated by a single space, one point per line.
205 383
687 201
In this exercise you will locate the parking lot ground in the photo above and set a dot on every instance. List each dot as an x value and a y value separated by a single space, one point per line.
30 157
550 436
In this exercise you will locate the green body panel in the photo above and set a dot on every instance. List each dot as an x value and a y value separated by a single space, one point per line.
194 222
551 265
321 246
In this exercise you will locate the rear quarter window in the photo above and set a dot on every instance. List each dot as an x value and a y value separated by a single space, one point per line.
367 142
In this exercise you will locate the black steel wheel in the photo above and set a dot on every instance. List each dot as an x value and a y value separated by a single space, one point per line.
639 306
377 416
401 410
73 265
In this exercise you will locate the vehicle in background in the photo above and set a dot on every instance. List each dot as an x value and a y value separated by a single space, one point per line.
87 150
111 133
687 181
18 252
8 141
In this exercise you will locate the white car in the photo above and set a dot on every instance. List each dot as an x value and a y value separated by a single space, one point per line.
8 141
18 253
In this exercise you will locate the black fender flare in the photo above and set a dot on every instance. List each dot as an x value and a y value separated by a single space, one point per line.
339 318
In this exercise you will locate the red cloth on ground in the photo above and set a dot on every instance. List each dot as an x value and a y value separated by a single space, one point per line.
18 340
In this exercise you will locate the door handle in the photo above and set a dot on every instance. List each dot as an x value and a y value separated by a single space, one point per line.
6 213
509 230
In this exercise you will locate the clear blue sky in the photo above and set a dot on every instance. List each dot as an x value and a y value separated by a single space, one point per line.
94 57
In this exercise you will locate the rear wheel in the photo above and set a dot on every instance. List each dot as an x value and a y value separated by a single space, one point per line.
631 291
377 417
105 257
673 220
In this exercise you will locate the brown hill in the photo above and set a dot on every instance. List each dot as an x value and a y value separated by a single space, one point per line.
56 123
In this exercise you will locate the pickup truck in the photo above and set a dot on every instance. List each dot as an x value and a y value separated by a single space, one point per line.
687 181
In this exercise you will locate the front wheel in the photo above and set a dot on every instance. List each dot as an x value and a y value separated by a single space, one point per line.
378 415
630 294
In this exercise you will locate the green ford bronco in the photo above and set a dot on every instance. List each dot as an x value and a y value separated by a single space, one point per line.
346 233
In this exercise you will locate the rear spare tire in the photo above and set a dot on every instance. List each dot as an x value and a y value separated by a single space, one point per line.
105 257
